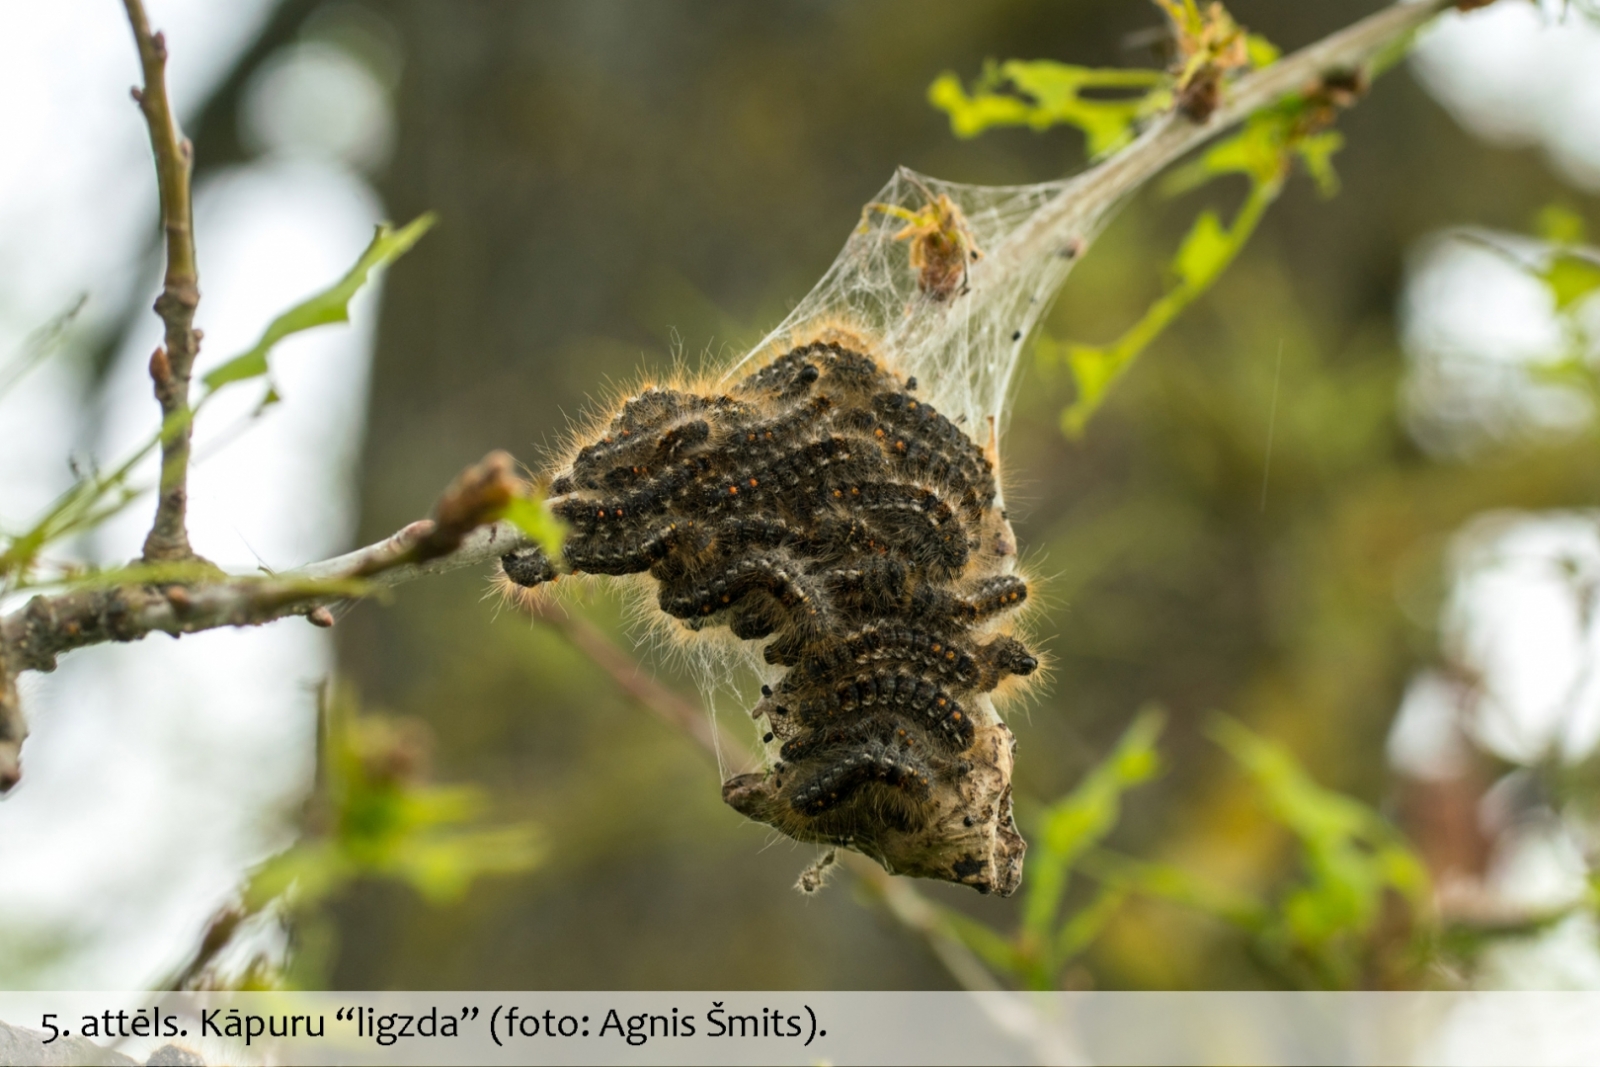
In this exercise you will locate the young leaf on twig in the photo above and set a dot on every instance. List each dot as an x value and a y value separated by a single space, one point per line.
329 306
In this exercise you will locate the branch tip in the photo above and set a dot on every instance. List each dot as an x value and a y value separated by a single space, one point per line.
476 498
168 539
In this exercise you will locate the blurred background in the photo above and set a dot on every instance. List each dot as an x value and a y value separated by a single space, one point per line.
1402 595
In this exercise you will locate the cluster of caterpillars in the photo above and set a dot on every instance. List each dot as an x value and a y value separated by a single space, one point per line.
820 506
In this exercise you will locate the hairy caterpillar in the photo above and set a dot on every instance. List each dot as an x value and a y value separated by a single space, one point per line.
817 505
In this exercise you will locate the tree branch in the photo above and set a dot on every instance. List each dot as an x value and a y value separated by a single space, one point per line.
171 365
185 597
1097 191
51 625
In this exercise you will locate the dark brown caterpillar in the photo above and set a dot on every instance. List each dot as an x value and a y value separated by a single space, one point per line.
819 503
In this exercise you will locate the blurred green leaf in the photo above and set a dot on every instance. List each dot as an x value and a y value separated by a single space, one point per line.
441 868
1081 929
996 950
1574 371
1262 52
312 870
1205 251
1075 823
1041 94
1173 884
1352 856
40 345
1560 225
329 306
1316 152
1570 279
375 815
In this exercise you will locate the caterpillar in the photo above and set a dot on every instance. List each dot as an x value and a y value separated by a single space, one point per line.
818 505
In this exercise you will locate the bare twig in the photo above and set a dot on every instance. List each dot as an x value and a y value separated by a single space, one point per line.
171 364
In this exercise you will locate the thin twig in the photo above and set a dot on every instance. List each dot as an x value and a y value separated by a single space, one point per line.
921 916
630 677
908 907
171 364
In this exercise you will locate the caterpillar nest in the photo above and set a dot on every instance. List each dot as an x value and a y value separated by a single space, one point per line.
818 505
846 528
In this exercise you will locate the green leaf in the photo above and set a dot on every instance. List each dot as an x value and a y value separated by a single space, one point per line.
1093 371
1256 151
1350 854
1262 52
1574 371
80 508
1041 94
972 115
535 519
442 867
329 306
1205 251
311 871
1570 279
